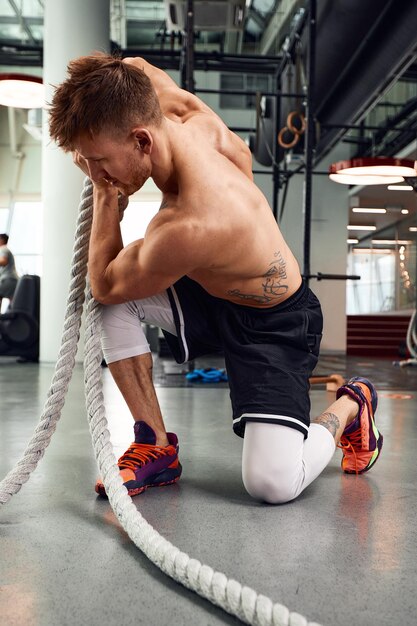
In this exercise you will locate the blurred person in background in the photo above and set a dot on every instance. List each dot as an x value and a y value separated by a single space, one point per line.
8 274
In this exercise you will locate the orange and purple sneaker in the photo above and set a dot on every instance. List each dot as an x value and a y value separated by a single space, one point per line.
361 441
144 464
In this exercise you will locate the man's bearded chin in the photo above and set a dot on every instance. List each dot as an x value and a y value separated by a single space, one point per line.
128 189
137 180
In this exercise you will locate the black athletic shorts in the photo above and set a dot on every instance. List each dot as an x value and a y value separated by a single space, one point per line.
269 353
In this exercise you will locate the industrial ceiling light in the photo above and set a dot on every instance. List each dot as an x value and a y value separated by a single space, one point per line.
360 227
400 188
22 91
371 171
350 179
369 210
372 251
391 241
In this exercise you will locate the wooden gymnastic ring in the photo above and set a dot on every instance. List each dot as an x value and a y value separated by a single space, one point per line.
296 115
290 144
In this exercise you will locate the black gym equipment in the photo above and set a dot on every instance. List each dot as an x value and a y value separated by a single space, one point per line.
19 326
411 343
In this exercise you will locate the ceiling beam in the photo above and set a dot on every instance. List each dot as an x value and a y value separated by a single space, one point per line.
278 24
22 21
31 21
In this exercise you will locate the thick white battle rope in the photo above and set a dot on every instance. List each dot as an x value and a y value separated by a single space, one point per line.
41 438
230 595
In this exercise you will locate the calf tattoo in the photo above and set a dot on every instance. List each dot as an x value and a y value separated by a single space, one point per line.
329 421
273 283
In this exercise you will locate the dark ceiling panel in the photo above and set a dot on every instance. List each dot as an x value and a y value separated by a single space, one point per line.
362 48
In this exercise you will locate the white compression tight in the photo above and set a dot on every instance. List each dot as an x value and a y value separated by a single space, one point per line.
277 463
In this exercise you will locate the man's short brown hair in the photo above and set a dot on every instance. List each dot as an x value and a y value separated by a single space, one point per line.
101 93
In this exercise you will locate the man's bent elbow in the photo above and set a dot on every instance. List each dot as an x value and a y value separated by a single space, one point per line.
101 293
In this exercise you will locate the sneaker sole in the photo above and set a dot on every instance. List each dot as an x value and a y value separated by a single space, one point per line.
134 491
138 490
378 436
374 404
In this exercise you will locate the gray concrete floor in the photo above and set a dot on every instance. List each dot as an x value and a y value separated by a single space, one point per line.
343 553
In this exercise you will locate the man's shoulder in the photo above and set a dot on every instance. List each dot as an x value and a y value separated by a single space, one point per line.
209 128
172 219
176 227
181 106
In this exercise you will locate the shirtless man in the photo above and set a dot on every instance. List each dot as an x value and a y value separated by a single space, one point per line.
213 271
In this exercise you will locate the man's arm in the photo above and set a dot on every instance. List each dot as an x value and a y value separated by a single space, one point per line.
143 268
175 103
159 79
178 104
106 238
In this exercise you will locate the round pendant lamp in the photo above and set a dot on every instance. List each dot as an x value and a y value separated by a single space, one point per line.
22 91
371 171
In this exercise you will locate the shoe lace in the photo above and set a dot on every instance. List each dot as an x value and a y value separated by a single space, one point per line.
138 454
351 444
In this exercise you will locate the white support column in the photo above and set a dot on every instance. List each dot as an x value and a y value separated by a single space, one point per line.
71 29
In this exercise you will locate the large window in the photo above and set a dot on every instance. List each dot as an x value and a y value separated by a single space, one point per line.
242 82
136 219
26 230
4 219
375 291
406 272
23 223
388 279
26 237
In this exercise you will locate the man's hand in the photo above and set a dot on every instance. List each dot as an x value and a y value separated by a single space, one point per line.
80 162
123 203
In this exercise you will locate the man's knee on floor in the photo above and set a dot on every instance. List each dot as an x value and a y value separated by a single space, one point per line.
271 487
272 462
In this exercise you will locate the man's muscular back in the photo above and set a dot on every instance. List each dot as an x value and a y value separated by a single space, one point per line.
246 260
179 105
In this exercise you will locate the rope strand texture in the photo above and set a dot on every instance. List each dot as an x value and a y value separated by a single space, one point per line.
41 438
228 594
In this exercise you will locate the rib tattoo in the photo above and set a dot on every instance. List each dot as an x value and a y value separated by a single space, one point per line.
273 285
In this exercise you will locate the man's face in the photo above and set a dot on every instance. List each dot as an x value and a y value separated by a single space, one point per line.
117 161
